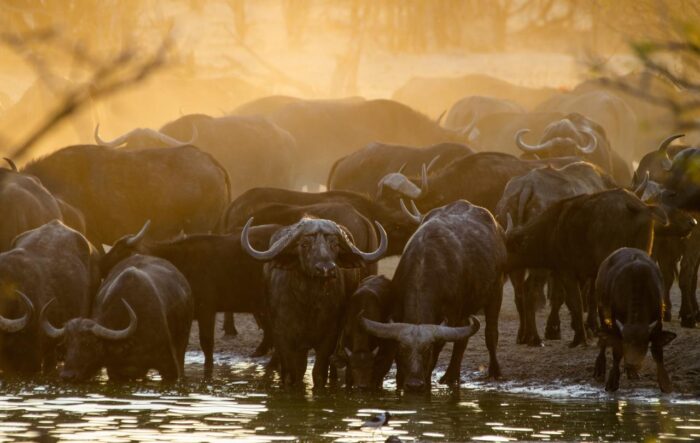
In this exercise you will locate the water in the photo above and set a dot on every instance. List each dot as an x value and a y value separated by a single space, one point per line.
238 404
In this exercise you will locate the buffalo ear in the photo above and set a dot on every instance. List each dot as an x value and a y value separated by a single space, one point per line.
658 214
664 338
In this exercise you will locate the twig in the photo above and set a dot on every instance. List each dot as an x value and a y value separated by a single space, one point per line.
103 82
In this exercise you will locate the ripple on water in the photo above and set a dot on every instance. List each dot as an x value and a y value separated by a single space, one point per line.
237 405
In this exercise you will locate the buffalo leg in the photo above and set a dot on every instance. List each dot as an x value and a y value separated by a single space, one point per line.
517 279
266 343
600 362
614 376
591 317
206 340
534 287
657 353
575 305
556 289
323 360
230 325
668 272
453 371
491 313
688 281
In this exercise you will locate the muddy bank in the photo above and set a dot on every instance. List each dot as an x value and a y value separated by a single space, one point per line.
554 364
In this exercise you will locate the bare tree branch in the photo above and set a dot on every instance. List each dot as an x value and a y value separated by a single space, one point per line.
121 71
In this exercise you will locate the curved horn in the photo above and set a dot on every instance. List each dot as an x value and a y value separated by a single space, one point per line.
368 256
12 164
271 253
135 239
524 146
592 144
114 143
432 162
639 191
414 215
663 147
403 166
46 325
447 333
171 141
619 324
384 330
117 334
17 324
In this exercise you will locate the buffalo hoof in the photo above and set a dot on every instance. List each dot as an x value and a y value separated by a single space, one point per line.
450 380
552 333
665 383
613 384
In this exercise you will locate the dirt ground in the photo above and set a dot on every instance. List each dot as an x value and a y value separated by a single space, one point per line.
552 365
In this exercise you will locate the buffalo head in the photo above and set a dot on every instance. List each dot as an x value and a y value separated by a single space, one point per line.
124 247
566 137
317 246
361 366
416 346
84 341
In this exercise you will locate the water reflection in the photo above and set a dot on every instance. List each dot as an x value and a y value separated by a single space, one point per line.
239 405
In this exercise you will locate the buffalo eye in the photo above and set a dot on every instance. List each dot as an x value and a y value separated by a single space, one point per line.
333 242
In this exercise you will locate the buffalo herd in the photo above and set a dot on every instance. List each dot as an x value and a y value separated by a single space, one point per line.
109 251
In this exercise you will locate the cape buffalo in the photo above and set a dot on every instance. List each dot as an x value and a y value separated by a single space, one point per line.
496 132
524 198
363 170
222 276
344 214
26 204
433 95
573 236
49 262
252 150
657 163
478 178
613 114
629 290
452 267
246 205
179 189
468 111
140 320
307 291
326 130
368 358
579 136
